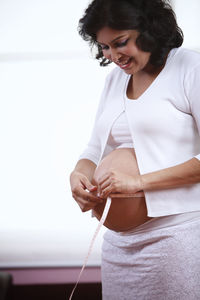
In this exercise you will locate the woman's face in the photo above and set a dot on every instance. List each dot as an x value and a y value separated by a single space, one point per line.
120 47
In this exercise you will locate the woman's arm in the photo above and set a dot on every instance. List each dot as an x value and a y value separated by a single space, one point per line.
176 176
179 175
189 171
86 167
80 180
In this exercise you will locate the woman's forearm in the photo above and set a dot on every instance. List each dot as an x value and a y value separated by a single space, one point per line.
86 167
179 175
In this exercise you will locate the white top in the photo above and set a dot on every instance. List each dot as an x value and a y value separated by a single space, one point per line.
120 135
164 123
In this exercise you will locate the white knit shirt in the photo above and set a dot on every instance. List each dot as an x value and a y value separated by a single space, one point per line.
164 123
120 135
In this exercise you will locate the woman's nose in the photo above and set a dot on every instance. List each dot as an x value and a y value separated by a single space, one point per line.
113 55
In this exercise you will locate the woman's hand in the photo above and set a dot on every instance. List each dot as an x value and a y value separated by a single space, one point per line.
83 191
117 182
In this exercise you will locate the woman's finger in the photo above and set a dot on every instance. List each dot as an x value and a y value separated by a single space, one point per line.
104 178
85 202
104 184
105 193
92 198
110 188
90 187
86 196
85 205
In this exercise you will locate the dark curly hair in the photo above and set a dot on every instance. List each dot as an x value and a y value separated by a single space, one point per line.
153 19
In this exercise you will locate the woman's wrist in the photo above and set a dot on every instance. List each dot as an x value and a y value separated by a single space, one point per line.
140 183
136 185
73 174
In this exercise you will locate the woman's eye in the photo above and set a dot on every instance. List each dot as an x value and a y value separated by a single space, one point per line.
104 47
122 44
118 44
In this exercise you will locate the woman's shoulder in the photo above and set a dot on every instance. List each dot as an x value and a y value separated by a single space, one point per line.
187 58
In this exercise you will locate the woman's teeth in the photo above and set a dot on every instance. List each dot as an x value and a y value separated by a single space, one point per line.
125 64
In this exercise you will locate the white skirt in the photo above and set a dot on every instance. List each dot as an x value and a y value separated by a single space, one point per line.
159 260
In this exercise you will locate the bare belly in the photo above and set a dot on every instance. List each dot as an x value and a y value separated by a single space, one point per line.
125 212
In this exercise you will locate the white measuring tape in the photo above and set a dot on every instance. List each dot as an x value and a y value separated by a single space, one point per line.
101 222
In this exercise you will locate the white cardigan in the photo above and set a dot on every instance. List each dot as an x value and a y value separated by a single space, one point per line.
164 123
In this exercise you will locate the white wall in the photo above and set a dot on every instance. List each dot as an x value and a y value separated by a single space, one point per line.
49 91
188 19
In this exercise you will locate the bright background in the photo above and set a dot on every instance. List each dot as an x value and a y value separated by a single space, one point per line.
49 91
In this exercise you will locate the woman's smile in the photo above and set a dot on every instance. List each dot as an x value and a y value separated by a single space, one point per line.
125 64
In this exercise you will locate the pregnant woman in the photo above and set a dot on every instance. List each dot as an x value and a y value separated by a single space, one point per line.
144 152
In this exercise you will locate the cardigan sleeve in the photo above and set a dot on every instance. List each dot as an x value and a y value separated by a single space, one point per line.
93 149
192 88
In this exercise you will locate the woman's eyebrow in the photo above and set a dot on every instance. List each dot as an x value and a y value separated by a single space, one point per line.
113 41
117 38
